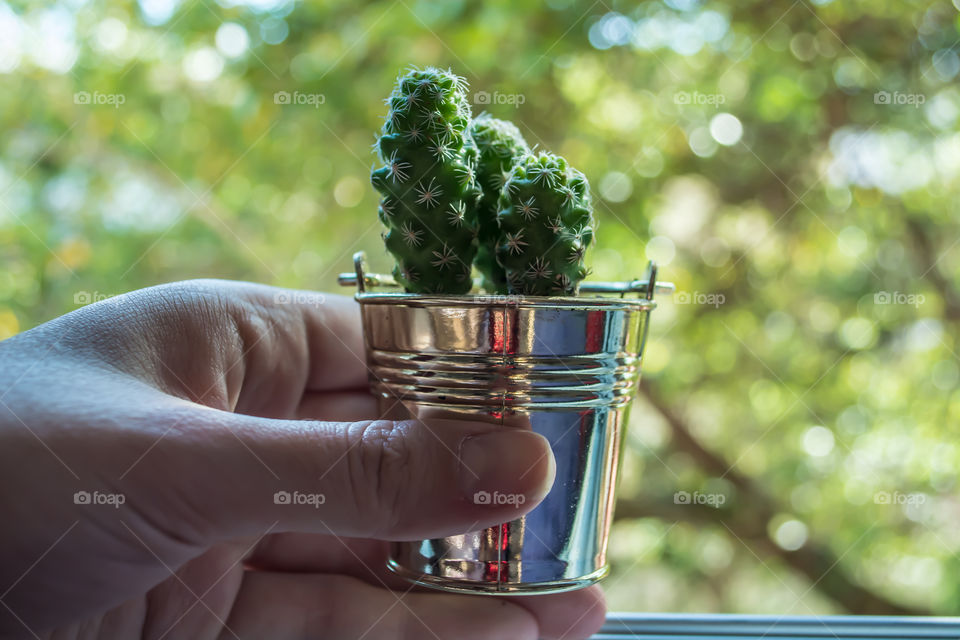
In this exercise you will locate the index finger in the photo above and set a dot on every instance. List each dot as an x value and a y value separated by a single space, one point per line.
335 343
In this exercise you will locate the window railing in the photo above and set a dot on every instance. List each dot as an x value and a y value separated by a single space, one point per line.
737 627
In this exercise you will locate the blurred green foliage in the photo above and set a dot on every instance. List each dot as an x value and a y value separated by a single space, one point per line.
793 167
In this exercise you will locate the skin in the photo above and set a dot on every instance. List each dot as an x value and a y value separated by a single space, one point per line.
194 403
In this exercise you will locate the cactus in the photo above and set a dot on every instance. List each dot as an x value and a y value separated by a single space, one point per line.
546 224
501 146
428 182
532 220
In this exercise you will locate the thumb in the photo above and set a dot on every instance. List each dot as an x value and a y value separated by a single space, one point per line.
397 480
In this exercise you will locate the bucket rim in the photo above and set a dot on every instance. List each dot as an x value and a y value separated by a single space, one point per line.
502 300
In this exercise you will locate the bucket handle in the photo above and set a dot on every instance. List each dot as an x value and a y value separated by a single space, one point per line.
646 286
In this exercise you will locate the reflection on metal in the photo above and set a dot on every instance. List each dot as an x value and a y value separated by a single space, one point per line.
564 367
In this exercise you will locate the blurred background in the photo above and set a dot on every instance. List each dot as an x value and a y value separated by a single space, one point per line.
793 167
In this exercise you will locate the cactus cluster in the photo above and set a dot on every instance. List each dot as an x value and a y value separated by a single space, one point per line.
458 191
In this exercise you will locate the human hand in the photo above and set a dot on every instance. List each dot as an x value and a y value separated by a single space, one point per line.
143 440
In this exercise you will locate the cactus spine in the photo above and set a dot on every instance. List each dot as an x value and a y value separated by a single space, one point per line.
545 226
501 146
428 182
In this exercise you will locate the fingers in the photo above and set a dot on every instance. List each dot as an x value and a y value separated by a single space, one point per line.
294 343
335 338
327 326
575 614
232 345
242 476
361 558
567 616
346 406
194 599
306 606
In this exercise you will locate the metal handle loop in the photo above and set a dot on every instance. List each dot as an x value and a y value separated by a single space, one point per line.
646 286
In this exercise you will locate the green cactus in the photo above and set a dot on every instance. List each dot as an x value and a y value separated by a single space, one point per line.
546 224
501 146
428 182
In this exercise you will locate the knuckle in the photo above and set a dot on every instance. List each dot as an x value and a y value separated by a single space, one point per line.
381 465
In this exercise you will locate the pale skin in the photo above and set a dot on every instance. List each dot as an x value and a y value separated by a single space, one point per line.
194 403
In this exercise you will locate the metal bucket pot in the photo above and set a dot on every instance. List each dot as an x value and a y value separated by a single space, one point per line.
564 367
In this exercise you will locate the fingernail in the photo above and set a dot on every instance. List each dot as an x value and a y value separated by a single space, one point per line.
506 467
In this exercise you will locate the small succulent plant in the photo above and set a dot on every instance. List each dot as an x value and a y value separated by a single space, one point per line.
428 182
546 223
458 191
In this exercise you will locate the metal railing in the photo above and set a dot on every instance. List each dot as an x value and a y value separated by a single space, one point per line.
620 626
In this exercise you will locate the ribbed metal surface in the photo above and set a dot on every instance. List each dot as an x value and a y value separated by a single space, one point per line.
544 383
727 627
504 352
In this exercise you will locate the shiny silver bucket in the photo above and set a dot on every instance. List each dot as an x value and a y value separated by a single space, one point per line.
564 367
